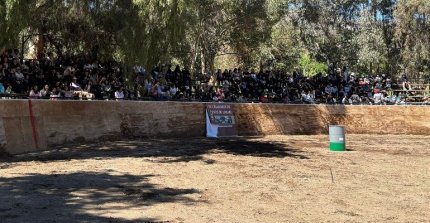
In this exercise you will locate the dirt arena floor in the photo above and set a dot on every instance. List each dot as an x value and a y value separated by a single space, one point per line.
271 179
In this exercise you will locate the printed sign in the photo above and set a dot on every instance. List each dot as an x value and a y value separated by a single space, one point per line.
220 121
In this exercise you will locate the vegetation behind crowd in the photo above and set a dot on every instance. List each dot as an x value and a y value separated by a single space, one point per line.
369 36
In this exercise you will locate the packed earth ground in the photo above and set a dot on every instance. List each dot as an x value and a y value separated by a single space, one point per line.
381 178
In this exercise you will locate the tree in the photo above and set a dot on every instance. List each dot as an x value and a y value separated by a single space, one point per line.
413 34
327 28
372 36
373 51
14 18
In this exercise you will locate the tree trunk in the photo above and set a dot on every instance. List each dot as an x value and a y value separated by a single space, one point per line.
209 60
202 61
40 45
194 54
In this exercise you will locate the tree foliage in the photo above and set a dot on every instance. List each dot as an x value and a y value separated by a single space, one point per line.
412 19
373 36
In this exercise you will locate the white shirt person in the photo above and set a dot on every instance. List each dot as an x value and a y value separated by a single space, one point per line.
119 94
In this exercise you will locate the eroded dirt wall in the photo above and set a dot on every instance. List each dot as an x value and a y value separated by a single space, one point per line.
273 119
28 126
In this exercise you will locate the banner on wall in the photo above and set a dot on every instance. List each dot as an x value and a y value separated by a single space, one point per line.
220 121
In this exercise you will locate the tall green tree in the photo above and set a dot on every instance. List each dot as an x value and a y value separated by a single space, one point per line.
15 17
372 50
413 35
371 36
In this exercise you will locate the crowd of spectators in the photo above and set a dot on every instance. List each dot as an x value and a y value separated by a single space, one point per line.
80 78
54 78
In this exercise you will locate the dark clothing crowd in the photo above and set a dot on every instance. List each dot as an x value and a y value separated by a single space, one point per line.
268 86
65 77
80 78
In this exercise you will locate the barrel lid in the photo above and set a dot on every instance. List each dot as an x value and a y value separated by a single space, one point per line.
336 126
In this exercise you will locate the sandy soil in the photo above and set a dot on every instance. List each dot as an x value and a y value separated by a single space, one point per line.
271 179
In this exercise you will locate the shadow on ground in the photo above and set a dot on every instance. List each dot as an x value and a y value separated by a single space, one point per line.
169 150
69 197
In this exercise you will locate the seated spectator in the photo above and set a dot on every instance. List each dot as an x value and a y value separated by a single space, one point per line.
68 93
345 100
378 97
2 89
400 99
329 89
378 79
119 94
308 98
264 98
19 76
74 85
355 99
334 91
391 99
426 101
242 98
45 92
173 91
346 89
405 83
35 93
54 94
220 94
9 89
